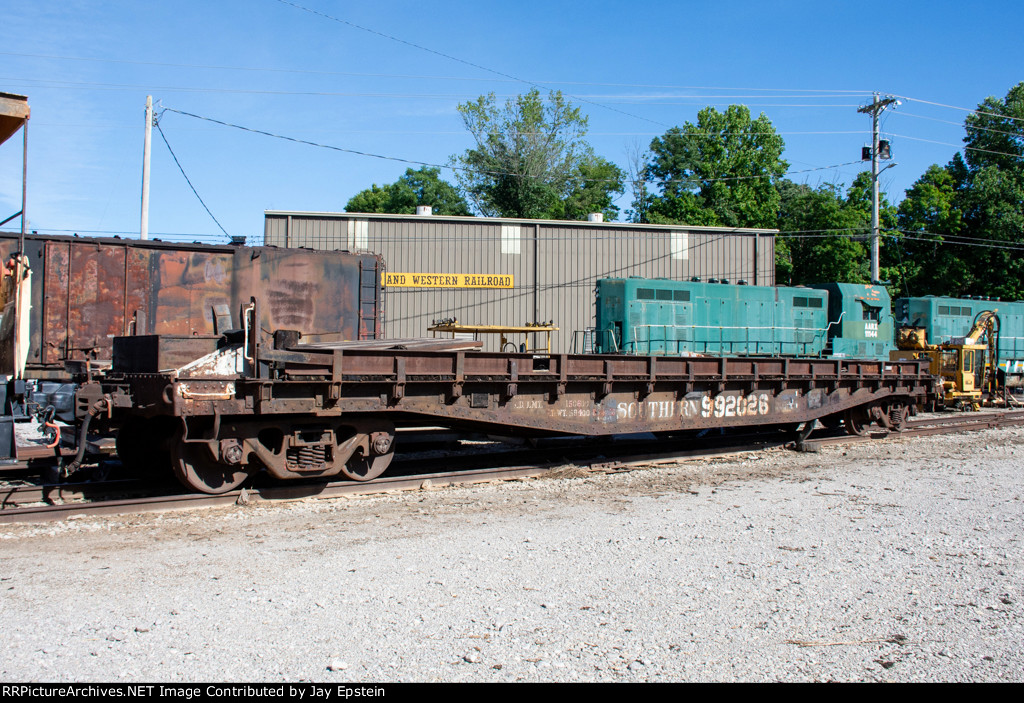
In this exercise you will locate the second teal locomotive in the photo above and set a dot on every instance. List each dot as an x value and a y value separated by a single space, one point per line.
718 318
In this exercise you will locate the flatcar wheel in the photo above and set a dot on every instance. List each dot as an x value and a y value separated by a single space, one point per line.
857 421
898 417
197 470
360 467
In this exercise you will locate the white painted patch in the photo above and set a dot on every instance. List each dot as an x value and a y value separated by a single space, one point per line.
227 361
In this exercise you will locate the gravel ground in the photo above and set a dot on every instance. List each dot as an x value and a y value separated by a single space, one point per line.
896 560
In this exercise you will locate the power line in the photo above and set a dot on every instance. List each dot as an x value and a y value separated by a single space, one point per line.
696 179
454 58
958 124
857 233
461 168
962 242
624 99
439 132
164 137
259 69
956 146
965 237
963 109
932 238
701 100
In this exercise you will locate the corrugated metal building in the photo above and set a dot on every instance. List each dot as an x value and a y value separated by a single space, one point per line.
520 271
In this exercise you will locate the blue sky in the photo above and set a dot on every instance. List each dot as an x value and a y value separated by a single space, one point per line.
270 65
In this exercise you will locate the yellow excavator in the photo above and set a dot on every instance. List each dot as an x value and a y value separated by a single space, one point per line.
968 365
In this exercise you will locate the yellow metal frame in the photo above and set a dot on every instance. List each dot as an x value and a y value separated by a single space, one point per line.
503 330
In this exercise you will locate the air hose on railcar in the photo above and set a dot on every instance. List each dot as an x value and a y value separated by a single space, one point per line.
101 405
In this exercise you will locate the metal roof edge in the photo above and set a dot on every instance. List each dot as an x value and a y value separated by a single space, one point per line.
129 241
513 220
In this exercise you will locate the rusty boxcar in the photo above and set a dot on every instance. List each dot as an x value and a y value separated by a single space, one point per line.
86 291
82 293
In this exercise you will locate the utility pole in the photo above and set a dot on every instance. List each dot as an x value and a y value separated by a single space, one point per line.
24 183
144 227
876 108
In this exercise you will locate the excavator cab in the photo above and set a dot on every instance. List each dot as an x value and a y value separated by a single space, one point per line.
966 365
963 374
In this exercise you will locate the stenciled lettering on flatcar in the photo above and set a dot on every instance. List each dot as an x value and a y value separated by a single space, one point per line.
719 406
725 405
735 405
576 408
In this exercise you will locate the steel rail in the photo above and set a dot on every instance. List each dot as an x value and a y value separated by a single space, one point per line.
304 490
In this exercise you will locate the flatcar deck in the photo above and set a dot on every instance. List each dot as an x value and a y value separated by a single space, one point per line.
300 412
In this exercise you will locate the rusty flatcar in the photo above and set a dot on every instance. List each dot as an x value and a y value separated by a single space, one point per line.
270 403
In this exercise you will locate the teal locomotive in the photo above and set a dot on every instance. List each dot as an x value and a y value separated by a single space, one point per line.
717 318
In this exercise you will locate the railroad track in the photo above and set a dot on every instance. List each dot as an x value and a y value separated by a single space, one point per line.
35 503
937 424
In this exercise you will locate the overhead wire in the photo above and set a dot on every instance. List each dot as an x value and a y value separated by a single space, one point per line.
902 113
534 84
946 239
957 146
420 47
455 58
622 99
963 109
824 94
187 179
502 74
851 232
414 162
824 91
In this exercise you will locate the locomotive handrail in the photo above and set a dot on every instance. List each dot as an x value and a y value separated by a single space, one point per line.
801 348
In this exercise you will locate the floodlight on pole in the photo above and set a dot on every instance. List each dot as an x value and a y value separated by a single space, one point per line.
876 108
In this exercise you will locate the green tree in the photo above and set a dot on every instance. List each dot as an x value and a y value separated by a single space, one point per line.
929 213
423 186
962 225
995 134
376 199
720 171
531 160
993 206
592 189
992 198
824 234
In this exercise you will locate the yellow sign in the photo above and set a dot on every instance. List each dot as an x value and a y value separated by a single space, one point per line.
446 280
